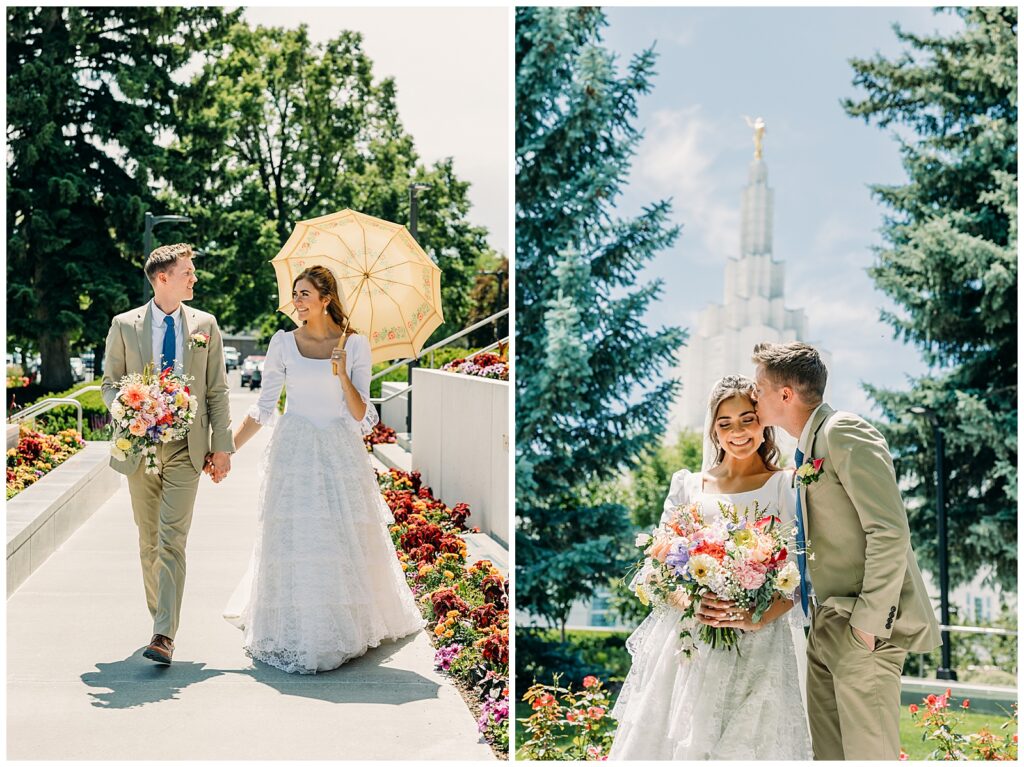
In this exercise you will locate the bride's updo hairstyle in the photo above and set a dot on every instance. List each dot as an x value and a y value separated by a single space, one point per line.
739 386
327 286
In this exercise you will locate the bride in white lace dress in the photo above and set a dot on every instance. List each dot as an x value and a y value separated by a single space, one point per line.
742 704
324 583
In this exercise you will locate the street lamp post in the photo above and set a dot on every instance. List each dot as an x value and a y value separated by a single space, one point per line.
414 209
499 276
147 242
945 670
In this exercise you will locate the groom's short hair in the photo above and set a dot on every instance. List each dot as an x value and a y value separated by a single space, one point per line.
164 258
796 365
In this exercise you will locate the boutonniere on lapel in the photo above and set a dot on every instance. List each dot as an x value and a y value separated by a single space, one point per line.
810 472
198 340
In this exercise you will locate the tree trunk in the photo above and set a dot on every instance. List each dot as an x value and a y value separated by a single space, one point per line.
55 365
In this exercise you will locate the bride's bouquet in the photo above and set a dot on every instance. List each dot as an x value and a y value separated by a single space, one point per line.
739 555
149 410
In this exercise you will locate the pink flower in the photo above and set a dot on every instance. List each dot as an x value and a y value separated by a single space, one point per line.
750 575
660 548
818 462
134 395
589 681
138 427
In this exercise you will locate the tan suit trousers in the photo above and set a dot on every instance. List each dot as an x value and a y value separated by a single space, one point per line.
853 694
162 504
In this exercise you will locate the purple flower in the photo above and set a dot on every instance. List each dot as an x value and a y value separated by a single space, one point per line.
492 710
677 558
444 657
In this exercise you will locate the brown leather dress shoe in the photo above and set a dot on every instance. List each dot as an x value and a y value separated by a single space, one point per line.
160 649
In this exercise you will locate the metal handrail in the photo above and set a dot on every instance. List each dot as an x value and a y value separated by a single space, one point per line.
400 392
50 403
410 362
980 630
443 342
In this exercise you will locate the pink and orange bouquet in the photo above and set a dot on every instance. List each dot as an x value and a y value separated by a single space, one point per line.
739 555
149 410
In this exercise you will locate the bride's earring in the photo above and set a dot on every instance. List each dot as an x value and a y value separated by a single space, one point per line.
325 310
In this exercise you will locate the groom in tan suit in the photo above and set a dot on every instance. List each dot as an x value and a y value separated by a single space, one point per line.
863 589
162 333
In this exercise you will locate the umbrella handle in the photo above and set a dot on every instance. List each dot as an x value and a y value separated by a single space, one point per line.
341 345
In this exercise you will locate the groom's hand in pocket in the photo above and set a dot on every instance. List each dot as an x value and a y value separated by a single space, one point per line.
866 638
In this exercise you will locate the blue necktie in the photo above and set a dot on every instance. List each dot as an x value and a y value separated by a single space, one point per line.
168 353
801 557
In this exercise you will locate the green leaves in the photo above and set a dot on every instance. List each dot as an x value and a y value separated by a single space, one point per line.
950 264
589 391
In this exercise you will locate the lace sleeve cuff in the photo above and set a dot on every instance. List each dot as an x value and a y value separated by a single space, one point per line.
262 417
370 419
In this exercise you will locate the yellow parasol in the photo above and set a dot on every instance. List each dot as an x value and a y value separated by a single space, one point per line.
389 287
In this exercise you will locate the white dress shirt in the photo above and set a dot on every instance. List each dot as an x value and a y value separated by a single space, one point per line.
805 436
159 328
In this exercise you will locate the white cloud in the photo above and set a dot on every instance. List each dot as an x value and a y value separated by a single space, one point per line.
676 159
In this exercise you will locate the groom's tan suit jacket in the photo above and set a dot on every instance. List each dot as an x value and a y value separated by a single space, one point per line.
130 349
860 560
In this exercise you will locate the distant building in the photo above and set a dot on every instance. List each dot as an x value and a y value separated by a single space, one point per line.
752 310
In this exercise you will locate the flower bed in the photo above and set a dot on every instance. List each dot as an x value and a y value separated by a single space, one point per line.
466 605
483 365
381 435
37 454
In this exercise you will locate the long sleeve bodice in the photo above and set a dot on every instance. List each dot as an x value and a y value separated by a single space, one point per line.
313 391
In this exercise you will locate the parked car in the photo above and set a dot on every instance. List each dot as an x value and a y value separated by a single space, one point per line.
77 369
89 358
249 366
232 357
256 380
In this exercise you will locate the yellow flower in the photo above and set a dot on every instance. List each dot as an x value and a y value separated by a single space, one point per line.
449 574
744 538
642 595
701 567
449 634
439 630
123 444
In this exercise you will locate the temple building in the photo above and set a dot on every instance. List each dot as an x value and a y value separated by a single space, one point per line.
753 306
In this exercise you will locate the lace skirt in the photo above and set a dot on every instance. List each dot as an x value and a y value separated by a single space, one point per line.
719 704
325 584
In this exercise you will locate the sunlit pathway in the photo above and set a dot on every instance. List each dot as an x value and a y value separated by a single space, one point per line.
78 687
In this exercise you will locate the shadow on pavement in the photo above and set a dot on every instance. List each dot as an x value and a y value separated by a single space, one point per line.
366 679
136 681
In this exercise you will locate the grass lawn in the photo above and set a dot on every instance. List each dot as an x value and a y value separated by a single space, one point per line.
910 736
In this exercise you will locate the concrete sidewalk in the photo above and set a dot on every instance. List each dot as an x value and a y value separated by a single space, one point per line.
78 687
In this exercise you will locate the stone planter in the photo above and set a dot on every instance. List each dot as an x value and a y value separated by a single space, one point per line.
44 515
460 444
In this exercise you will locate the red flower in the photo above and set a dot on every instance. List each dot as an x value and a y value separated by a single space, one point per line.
445 600
965 704
495 590
931 700
716 550
766 522
817 463
913 708
595 712
589 681
459 514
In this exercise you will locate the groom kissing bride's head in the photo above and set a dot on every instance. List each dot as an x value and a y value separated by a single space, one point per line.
791 382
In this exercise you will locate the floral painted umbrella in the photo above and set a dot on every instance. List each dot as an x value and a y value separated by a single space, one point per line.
389 287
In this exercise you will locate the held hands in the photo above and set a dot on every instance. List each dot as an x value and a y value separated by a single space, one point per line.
723 613
217 466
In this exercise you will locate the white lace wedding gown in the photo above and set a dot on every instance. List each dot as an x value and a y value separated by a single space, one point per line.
720 704
324 584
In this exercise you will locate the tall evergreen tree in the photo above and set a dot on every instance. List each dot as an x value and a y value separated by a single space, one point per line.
280 129
88 92
590 392
950 263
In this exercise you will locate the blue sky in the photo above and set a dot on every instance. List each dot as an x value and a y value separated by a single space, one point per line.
789 66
